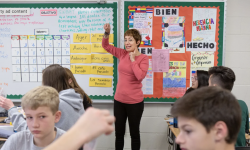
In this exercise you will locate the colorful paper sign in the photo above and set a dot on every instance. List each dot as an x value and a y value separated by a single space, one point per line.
97 38
204 24
148 81
174 81
80 48
97 48
80 69
102 58
142 20
173 32
102 70
81 38
202 59
100 82
80 59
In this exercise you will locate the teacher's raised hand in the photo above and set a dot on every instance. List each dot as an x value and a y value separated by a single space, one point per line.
107 28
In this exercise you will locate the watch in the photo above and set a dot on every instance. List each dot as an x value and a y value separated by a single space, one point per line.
106 33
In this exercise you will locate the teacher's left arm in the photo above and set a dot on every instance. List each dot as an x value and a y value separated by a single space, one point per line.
140 68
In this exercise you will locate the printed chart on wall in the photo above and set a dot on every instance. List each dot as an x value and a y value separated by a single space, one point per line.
179 38
34 36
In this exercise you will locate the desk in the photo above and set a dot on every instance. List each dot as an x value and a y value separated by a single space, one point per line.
3 124
172 134
2 118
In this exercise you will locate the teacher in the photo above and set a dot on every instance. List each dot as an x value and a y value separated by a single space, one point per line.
128 102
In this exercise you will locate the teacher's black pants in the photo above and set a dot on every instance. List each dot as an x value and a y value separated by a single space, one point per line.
134 113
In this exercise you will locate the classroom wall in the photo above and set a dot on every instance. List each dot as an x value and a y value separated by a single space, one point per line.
237 54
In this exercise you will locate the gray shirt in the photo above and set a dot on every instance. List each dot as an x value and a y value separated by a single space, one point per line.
71 106
24 141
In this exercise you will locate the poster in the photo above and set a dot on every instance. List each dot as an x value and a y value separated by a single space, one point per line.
173 32
142 20
174 81
160 58
202 59
204 24
148 81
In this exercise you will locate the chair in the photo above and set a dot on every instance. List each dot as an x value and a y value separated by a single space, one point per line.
242 148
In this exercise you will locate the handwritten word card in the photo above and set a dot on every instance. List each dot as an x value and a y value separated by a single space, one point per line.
102 70
100 82
80 48
80 69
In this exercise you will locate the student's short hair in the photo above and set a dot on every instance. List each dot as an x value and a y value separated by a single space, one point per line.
41 96
208 105
222 76
135 34
203 78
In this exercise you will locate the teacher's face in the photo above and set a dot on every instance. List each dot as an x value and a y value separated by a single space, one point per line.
130 43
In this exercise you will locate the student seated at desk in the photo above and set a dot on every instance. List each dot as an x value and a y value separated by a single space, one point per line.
209 118
225 77
71 102
199 80
41 108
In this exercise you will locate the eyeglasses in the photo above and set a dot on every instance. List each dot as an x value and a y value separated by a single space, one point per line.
194 78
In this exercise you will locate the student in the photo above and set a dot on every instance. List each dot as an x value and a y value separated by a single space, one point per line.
225 77
73 84
200 79
92 124
208 118
41 109
129 99
71 103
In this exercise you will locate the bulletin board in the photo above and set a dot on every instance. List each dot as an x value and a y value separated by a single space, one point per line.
179 36
74 38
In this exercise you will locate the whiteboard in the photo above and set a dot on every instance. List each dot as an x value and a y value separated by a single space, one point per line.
66 22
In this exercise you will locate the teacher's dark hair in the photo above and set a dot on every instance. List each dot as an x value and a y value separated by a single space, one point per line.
135 34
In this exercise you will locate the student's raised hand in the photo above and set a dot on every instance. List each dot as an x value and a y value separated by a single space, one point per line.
132 56
6 103
106 27
94 123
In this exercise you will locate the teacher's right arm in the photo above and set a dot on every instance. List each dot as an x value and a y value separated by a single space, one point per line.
117 52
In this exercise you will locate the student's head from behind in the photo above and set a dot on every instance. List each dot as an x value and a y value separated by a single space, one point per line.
56 77
221 76
73 84
41 109
132 39
208 118
200 79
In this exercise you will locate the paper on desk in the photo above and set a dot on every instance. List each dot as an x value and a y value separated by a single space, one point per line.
170 120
